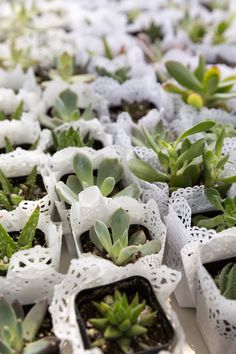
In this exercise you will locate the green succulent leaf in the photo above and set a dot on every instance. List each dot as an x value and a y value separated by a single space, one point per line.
83 170
34 319
65 193
26 237
183 76
144 171
109 168
103 235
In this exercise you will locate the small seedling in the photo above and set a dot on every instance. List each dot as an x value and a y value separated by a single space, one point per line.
118 245
25 241
10 196
109 173
121 75
203 87
14 116
70 138
120 321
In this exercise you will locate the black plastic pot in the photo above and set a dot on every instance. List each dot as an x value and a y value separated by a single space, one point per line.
130 286
215 267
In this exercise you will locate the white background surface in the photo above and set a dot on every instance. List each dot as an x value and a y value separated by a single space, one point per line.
194 341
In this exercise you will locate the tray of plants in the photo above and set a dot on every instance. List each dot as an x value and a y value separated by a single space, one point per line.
117 177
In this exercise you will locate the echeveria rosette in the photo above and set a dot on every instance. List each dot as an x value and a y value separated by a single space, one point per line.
117 244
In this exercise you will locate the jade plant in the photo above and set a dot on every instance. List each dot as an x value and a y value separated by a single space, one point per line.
121 320
15 115
65 70
19 333
202 88
184 163
226 210
9 246
65 110
70 137
11 196
109 173
117 244
226 281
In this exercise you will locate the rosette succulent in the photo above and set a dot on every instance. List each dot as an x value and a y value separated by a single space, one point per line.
121 320
108 174
117 244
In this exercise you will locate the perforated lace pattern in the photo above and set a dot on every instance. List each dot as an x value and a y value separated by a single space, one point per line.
88 272
32 273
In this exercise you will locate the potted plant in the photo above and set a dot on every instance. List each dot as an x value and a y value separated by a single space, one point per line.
210 272
26 329
86 289
23 182
29 255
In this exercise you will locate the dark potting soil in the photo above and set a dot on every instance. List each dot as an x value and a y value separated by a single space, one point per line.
39 191
39 238
88 246
136 110
22 146
159 335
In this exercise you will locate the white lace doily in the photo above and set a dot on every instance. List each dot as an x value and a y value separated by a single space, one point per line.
216 315
88 272
93 206
32 273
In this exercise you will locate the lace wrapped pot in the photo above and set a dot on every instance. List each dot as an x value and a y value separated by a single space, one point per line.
133 90
89 272
61 165
93 206
179 233
20 132
92 127
32 273
216 315
20 163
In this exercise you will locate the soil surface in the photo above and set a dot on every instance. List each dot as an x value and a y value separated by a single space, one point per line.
136 110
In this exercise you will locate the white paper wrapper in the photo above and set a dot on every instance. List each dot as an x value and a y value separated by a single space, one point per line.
20 163
216 315
23 131
93 206
32 273
88 272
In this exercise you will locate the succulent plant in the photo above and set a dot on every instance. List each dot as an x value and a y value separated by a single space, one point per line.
18 333
71 137
203 87
158 134
119 246
65 69
121 75
185 164
121 321
17 56
14 116
195 28
8 246
219 32
10 196
226 281
65 110
227 212
109 173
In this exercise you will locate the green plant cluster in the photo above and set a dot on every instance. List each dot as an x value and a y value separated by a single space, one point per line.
121 321
226 281
118 245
